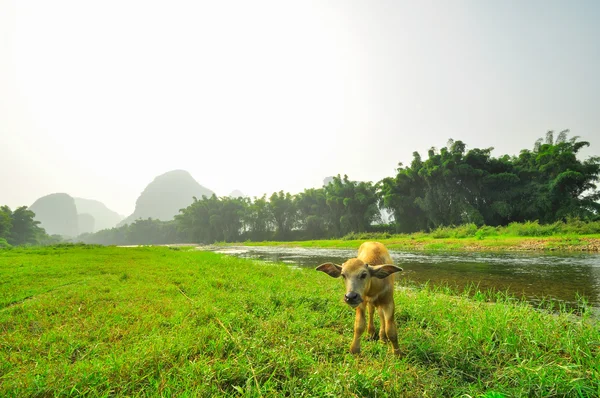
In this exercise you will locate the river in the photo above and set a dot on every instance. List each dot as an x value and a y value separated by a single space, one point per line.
534 276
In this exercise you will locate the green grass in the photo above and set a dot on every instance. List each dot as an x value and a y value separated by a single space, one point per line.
161 322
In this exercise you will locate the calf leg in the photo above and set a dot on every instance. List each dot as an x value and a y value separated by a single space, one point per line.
390 326
371 325
359 328
382 334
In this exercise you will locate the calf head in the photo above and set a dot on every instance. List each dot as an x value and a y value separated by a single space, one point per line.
357 277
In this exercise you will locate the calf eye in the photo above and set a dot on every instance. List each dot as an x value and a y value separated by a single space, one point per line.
363 276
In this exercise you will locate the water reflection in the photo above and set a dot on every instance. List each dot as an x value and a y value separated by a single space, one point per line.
534 276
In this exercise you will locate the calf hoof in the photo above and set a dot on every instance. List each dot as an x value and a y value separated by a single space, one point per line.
373 337
355 350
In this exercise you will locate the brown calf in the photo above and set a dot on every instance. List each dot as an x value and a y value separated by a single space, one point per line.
369 283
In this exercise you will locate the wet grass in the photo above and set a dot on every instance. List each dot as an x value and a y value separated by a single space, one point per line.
161 322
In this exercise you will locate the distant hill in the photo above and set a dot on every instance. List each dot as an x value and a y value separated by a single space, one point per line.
237 194
86 223
57 214
164 196
104 218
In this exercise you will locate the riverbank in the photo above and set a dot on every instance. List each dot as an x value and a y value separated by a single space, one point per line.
156 321
420 242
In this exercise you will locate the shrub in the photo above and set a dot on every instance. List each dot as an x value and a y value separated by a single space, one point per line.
485 231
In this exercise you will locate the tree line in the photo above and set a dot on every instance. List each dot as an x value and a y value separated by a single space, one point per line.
339 208
452 186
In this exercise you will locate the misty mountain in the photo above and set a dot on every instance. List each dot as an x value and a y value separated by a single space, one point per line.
86 223
104 218
57 214
236 194
164 196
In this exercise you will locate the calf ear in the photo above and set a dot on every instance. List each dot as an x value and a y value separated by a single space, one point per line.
330 269
383 271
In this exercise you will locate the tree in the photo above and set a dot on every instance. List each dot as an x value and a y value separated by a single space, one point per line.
558 185
352 205
232 213
213 219
400 195
283 213
313 213
25 229
195 220
257 219
5 222
456 186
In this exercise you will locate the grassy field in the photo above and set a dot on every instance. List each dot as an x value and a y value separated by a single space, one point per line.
154 321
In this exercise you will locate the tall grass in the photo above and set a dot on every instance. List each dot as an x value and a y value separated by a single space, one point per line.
529 228
159 322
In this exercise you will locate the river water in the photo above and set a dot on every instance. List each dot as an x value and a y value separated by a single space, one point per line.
536 277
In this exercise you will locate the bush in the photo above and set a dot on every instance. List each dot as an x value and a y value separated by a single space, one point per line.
533 228
366 236
441 232
485 231
465 231
462 231
573 226
577 226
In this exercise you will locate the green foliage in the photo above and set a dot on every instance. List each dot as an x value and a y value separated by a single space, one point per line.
257 219
367 236
529 228
212 219
402 194
5 221
19 227
455 186
89 321
486 231
313 213
283 213
462 231
353 205
534 228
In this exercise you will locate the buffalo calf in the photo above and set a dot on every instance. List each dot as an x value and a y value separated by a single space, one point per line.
369 280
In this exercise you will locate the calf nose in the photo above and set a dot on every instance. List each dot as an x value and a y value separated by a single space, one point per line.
351 297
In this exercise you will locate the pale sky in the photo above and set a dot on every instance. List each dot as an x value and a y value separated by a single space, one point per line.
98 98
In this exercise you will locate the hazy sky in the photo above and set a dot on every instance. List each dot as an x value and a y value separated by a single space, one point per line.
98 98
